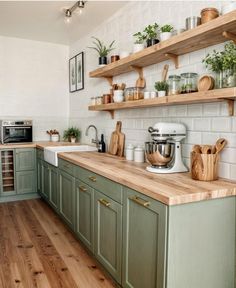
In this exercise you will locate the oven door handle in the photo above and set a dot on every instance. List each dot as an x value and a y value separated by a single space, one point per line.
18 127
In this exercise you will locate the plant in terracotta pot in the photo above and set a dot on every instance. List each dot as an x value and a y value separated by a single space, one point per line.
166 32
161 87
139 42
54 135
102 50
150 33
72 134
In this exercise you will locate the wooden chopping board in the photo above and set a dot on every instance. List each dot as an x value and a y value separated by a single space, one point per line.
117 141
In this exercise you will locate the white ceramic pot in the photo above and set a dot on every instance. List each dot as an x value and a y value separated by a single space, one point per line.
72 139
138 47
147 95
118 96
54 137
161 93
153 94
165 35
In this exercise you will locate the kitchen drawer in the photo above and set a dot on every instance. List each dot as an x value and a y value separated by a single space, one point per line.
100 183
40 154
67 166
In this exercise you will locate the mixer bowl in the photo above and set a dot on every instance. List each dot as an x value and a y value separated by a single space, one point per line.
159 154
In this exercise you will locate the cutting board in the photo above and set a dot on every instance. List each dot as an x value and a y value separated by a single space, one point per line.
121 139
117 141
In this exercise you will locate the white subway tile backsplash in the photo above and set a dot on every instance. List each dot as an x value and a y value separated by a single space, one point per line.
221 124
224 170
202 124
210 138
233 172
195 110
211 109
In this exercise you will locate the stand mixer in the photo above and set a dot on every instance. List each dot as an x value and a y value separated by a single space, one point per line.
164 152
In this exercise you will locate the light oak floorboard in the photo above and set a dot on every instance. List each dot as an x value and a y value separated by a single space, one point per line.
38 250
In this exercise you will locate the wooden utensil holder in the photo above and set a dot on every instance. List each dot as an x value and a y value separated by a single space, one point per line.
204 167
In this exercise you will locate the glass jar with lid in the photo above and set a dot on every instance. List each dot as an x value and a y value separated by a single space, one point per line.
174 85
129 94
99 100
138 93
189 82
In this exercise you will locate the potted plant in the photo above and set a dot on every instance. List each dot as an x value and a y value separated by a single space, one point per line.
161 87
223 64
102 50
54 135
166 32
72 134
139 42
150 33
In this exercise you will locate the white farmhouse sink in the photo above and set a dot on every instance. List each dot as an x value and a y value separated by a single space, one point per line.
50 153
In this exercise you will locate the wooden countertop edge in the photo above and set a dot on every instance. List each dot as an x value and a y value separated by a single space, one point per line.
168 200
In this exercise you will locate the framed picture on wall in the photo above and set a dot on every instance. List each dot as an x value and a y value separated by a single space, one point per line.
79 71
72 74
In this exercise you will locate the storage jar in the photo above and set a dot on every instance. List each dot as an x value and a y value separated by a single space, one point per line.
93 101
99 100
139 154
174 84
129 94
189 82
138 93
209 14
129 152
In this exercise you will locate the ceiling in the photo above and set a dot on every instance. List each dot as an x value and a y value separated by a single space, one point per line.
44 20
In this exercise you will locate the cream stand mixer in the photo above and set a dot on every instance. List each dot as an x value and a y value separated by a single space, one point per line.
164 152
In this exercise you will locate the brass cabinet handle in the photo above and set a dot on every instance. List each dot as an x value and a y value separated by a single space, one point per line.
140 201
83 189
92 178
104 202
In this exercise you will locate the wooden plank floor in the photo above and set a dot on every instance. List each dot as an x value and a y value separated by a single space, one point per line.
37 250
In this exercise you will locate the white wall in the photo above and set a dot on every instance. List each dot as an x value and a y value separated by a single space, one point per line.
205 122
34 83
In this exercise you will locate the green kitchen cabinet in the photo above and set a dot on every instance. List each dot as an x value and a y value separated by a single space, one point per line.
39 175
8 171
53 191
144 241
45 181
66 186
85 214
25 182
25 159
108 234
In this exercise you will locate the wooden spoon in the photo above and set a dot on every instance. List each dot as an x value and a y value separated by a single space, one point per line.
220 144
164 72
206 149
197 149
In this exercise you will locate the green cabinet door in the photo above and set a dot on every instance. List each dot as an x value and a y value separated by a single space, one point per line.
25 159
39 175
25 182
108 234
85 214
144 240
66 184
45 181
53 191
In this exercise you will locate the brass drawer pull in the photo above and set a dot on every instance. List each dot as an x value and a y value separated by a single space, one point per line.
83 189
92 178
104 202
140 201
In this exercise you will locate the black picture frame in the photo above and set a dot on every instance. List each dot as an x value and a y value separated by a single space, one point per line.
72 74
79 71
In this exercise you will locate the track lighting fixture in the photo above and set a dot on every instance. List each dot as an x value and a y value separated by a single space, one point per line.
68 12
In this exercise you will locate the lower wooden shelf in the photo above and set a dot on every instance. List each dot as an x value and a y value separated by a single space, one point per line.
217 95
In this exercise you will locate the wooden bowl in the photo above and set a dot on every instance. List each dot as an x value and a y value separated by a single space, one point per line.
206 83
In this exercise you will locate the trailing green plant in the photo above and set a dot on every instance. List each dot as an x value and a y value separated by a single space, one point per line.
166 28
161 86
100 47
70 133
150 31
140 38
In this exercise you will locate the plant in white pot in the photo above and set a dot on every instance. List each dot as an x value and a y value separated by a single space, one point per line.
162 88
150 33
54 135
102 50
72 134
139 42
166 32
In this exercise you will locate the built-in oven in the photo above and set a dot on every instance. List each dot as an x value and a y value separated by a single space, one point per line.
20 131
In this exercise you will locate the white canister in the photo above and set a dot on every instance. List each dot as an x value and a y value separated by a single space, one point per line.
118 96
139 154
129 152
146 95
153 94
54 137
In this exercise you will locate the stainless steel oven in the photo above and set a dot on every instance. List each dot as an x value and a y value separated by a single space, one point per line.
20 131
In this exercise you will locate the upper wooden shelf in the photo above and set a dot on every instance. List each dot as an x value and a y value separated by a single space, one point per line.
226 94
214 32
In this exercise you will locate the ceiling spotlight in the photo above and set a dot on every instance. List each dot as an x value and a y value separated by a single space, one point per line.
68 12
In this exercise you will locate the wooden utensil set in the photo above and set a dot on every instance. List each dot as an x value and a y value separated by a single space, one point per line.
117 141
204 160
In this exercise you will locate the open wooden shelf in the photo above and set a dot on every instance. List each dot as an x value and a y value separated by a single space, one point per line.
214 32
226 94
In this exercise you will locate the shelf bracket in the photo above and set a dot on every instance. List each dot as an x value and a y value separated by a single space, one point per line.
112 113
110 80
230 107
139 70
173 58
230 36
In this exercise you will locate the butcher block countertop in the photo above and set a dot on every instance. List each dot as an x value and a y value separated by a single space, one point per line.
170 189
39 144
